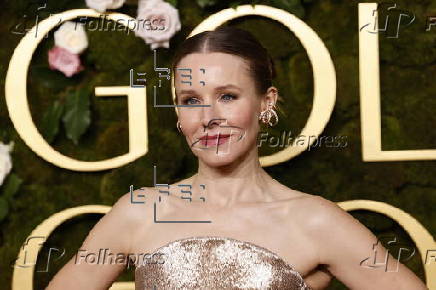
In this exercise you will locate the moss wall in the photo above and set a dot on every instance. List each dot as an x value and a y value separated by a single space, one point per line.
338 174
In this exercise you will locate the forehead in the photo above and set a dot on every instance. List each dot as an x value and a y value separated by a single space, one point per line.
211 69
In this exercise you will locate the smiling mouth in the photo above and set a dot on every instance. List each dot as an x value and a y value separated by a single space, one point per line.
214 140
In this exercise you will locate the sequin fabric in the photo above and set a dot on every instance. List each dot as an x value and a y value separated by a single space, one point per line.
216 263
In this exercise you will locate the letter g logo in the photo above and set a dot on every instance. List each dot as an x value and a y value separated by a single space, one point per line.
19 112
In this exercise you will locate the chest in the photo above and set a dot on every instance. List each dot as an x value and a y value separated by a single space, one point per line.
270 228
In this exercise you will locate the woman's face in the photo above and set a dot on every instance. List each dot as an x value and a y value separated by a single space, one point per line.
228 127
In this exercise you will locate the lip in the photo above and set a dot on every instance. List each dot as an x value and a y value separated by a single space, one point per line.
213 140
212 137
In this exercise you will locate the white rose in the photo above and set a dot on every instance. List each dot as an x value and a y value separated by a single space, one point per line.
103 5
157 22
72 37
5 160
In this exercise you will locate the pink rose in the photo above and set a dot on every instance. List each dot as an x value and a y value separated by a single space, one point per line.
63 60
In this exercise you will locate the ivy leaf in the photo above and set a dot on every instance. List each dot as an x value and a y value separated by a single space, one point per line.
172 2
51 120
77 116
4 208
292 6
11 186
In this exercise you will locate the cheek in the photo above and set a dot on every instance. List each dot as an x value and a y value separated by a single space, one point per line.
245 117
190 122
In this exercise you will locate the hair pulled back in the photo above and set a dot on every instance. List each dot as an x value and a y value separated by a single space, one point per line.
234 41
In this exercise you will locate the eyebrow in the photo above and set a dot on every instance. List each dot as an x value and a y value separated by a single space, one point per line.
220 88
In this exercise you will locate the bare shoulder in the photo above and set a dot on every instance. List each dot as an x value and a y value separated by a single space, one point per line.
135 206
320 205
317 211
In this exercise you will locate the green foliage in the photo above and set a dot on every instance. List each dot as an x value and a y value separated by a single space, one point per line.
204 3
8 190
293 6
105 47
4 208
51 79
234 4
77 114
172 2
11 187
51 120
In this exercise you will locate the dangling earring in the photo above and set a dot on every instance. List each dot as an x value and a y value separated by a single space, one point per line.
179 127
266 115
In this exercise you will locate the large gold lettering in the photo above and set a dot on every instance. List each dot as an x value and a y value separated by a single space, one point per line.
370 112
19 112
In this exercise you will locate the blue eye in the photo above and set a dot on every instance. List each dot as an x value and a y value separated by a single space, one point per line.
228 97
187 101
194 100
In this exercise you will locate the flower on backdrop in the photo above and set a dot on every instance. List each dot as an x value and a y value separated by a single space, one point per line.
103 5
63 60
72 37
157 21
5 160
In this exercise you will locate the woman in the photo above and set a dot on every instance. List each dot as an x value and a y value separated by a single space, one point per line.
236 227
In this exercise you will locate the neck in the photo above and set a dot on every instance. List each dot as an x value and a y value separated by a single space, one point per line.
242 181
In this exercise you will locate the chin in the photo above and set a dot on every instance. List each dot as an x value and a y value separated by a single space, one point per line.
213 159
225 155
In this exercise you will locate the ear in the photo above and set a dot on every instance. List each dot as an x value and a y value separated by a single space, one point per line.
270 97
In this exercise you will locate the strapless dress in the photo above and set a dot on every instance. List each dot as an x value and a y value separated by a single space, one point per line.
211 262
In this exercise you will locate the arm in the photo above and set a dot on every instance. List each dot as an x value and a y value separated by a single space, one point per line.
114 231
343 242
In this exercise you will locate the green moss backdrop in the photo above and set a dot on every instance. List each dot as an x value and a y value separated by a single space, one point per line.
338 174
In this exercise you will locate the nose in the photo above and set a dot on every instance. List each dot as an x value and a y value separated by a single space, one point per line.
211 117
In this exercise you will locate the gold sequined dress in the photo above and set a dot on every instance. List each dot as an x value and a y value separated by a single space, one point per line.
211 262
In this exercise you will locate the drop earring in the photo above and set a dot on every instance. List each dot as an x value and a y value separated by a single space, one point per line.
265 116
